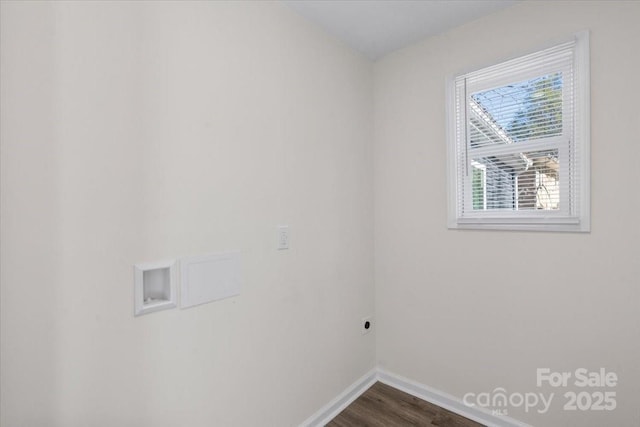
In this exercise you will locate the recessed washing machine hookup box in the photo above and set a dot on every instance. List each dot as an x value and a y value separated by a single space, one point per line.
154 286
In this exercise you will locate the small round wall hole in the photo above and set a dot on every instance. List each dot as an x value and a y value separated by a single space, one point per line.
367 324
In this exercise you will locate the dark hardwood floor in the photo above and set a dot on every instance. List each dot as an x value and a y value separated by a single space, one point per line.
385 406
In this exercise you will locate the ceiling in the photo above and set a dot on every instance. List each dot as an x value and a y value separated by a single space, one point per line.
378 27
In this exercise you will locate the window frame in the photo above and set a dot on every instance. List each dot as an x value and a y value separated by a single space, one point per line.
536 220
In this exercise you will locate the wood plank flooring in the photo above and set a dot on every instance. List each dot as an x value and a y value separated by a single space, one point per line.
385 406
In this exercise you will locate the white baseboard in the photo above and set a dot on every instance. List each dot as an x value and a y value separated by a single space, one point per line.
337 405
421 391
446 401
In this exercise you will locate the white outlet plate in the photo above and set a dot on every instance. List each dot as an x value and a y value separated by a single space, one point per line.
364 321
283 237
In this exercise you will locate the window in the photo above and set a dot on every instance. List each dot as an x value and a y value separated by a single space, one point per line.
519 142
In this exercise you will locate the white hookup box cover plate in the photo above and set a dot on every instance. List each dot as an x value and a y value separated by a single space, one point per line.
209 278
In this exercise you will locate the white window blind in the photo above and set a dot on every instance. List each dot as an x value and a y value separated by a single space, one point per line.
519 142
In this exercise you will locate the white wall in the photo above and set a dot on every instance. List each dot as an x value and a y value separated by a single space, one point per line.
141 131
494 321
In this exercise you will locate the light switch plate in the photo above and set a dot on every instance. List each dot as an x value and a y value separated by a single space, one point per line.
283 237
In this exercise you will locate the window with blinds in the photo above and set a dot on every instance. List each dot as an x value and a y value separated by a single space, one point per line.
519 142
